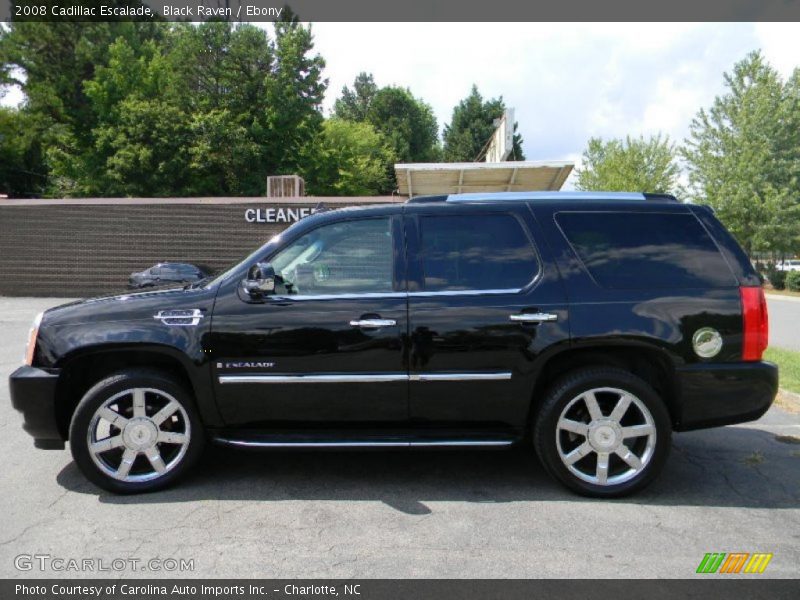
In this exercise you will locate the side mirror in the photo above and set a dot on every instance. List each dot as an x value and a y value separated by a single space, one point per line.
260 280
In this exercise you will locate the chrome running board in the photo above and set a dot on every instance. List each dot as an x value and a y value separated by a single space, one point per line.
361 444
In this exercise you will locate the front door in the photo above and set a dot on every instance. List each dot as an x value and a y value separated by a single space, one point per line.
483 306
327 348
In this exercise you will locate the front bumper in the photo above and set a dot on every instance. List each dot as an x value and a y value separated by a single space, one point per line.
33 393
711 395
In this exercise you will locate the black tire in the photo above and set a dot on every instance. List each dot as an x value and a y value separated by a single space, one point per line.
566 392
184 455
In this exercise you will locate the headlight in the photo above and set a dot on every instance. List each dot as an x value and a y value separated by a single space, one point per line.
32 335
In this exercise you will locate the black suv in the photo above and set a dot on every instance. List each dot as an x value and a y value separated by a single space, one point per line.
590 325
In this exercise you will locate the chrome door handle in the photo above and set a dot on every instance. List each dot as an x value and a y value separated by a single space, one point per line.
534 317
372 323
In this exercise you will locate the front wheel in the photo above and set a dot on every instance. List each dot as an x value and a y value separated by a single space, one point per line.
602 432
135 431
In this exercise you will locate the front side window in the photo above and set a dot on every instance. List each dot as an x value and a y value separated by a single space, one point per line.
350 257
476 252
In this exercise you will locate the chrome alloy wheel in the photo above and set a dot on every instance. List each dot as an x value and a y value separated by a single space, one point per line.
138 435
605 436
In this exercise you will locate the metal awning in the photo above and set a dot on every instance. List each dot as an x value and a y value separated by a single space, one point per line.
415 179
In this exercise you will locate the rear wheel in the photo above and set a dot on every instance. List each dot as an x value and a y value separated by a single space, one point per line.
135 431
602 432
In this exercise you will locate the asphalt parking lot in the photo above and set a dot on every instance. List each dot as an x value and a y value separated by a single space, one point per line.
402 514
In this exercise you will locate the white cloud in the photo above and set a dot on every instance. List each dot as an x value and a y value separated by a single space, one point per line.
781 45
567 81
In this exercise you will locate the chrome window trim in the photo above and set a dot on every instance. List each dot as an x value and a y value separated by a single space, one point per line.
486 292
394 295
364 378
348 296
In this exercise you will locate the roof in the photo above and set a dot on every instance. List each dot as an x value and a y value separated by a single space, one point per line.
540 196
415 179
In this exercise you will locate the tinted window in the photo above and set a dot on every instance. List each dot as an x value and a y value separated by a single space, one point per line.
340 258
476 252
645 250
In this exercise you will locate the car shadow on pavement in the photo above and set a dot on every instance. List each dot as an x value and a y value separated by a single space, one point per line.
728 467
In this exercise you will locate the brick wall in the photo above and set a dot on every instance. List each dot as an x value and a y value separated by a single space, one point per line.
78 248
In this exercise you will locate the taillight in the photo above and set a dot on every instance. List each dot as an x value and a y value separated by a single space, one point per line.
755 323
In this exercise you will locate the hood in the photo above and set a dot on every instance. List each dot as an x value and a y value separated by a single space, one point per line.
130 306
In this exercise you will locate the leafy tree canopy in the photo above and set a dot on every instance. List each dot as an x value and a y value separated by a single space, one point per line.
630 165
471 127
349 158
406 122
743 156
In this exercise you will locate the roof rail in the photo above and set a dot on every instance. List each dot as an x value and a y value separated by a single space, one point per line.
421 199
662 197
532 196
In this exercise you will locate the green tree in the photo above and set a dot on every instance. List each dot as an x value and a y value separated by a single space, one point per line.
407 122
294 94
50 62
222 153
22 172
743 156
89 165
472 124
354 104
147 149
220 76
633 164
349 159
242 105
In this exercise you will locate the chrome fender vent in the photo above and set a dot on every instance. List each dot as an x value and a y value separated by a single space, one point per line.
183 317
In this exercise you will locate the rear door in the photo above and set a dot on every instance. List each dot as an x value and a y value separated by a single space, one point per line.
484 303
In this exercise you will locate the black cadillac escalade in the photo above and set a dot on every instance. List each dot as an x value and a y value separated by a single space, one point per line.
589 325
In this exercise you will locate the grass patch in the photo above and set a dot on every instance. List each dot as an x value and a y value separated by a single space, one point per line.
753 459
788 362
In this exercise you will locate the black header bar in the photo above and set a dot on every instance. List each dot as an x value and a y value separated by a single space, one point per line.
404 10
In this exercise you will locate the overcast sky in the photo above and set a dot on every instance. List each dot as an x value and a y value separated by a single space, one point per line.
567 82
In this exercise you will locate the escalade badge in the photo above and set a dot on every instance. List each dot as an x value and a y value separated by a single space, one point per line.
245 365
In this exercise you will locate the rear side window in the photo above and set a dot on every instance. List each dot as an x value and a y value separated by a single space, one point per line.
476 252
645 250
